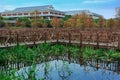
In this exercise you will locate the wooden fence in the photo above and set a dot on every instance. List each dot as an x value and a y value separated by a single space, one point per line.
104 38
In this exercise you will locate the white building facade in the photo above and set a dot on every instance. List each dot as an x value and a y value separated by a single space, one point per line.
46 12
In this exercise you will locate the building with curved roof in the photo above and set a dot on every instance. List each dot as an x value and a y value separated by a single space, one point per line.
74 12
46 12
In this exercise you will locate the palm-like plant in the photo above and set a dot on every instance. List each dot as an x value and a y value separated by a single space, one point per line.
99 54
88 53
74 51
108 55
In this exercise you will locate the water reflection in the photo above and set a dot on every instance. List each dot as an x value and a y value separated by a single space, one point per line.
63 70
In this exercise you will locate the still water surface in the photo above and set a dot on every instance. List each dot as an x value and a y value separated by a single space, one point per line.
63 70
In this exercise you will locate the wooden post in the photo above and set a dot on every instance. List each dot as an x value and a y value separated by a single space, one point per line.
45 37
80 39
69 38
10 37
34 43
97 40
17 38
57 37
119 42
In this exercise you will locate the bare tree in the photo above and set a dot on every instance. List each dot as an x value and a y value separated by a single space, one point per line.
118 16
118 12
35 14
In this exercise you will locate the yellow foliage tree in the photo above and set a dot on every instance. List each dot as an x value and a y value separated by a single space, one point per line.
101 22
23 24
82 21
36 24
7 25
111 23
56 22
17 23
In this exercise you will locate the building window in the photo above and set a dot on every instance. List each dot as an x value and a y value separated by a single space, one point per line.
8 14
51 12
14 14
38 12
45 12
25 13
56 13
19 13
63 14
60 14
3 14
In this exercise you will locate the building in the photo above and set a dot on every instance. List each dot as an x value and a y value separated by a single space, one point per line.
74 12
46 12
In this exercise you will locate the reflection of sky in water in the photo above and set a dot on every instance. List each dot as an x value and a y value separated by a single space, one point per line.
59 70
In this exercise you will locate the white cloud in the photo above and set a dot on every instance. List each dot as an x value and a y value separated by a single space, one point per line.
96 1
107 13
6 7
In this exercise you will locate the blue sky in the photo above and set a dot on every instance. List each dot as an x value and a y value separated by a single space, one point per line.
103 7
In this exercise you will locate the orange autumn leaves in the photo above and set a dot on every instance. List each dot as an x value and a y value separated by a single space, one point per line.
81 20
56 22
85 21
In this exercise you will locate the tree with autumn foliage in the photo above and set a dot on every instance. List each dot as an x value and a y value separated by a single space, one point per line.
88 22
101 23
82 20
56 22
70 22
37 22
23 24
117 23
111 23
7 25
17 23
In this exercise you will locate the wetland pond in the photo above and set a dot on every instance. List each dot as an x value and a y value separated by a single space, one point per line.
64 70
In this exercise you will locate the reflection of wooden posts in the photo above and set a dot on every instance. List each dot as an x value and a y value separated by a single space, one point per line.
80 39
18 65
97 40
17 38
69 35
45 37
119 42
118 66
